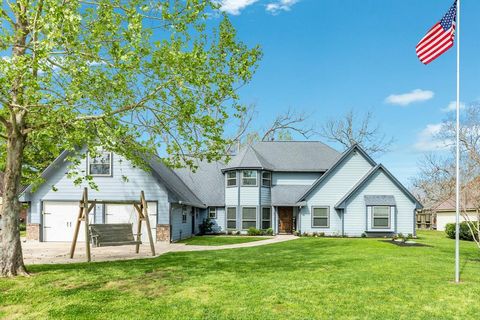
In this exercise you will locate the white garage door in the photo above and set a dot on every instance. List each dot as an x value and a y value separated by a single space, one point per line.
120 213
59 219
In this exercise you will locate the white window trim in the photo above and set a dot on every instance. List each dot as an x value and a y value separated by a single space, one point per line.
210 211
99 174
269 220
256 179
184 215
248 220
328 216
227 178
268 179
227 220
389 217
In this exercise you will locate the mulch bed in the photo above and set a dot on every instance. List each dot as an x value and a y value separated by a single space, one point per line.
404 244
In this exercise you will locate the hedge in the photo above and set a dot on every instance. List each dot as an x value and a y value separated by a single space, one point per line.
465 233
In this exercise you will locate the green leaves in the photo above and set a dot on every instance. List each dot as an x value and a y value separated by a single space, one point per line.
136 76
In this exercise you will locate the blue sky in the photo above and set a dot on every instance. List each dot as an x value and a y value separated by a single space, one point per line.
326 57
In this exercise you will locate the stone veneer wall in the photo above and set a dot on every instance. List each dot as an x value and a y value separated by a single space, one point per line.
163 232
33 231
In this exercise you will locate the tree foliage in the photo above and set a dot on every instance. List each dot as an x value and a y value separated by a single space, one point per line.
135 76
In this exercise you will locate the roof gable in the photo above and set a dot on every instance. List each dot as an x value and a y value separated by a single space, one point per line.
345 156
342 202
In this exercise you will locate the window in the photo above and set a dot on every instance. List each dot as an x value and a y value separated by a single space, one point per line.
100 164
266 179
231 179
184 214
212 213
249 178
381 217
249 217
320 217
231 218
266 218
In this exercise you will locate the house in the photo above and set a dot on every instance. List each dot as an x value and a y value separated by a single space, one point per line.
444 213
287 186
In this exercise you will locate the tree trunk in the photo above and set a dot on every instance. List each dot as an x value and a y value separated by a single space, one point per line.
11 257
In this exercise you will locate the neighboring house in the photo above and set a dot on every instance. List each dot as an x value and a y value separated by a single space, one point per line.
445 213
287 186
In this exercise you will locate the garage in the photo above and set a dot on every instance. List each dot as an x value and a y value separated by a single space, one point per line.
59 219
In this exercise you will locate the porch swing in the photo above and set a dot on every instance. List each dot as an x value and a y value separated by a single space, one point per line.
112 234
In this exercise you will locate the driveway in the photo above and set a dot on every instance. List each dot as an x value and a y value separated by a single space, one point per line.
35 252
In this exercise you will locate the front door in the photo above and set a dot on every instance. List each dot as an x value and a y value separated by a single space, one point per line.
285 220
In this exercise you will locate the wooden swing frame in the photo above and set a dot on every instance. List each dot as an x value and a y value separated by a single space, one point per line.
86 206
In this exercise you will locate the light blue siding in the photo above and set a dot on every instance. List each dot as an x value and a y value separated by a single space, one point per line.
231 196
219 222
356 216
125 183
346 175
295 178
181 230
266 196
249 196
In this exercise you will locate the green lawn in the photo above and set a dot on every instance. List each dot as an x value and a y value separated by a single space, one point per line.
301 279
220 240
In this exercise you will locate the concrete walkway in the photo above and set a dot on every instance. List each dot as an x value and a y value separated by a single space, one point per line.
58 252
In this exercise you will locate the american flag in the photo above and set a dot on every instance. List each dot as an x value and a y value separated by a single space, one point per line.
439 39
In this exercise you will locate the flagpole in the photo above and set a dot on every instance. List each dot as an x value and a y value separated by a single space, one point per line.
457 168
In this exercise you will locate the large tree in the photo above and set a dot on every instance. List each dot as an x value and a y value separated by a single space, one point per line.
135 76
353 128
436 181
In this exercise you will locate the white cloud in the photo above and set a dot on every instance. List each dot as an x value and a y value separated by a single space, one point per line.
235 6
281 5
452 106
427 139
405 99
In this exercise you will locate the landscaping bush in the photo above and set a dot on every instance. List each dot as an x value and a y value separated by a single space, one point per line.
254 232
465 233
268 232
23 227
206 226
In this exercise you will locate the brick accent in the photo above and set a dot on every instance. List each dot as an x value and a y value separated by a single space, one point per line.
163 232
33 231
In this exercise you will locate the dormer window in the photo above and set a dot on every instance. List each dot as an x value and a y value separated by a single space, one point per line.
249 178
266 179
100 164
231 179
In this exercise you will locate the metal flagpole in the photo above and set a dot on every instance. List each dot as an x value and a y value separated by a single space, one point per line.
457 169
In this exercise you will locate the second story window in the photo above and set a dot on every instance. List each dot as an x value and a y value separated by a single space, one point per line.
231 179
249 178
100 164
212 213
266 179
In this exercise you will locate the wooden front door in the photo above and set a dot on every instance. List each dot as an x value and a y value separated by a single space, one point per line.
285 220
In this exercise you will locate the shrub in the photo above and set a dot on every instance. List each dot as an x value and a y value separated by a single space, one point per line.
254 232
465 233
23 227
296 233
206 226
364 235
321 234
269 232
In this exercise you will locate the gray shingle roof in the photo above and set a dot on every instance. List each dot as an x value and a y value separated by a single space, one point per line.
207 182
287 195
174 183
306 156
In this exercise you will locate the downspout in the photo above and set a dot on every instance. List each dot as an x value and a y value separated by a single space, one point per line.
170 221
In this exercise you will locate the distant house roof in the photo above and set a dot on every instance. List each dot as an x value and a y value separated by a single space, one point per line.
287 195
379 167
207 182
293 156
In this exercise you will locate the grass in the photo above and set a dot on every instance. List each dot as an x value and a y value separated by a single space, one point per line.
219 240
301 279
